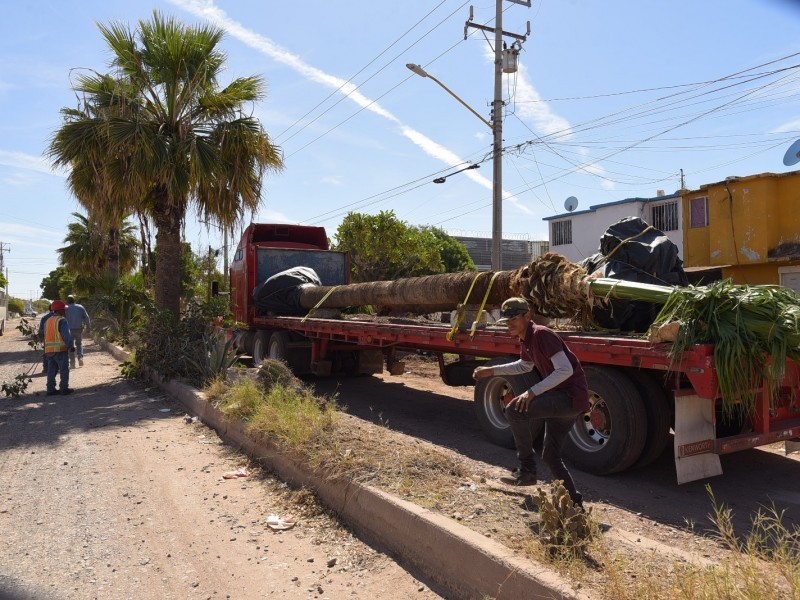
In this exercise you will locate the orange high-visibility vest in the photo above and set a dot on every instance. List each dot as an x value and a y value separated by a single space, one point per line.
53 342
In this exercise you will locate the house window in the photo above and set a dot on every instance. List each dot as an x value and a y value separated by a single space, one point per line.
665 216
698 207
561 233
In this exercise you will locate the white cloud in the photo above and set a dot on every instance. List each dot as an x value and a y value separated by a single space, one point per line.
333 180
20 160
786 127
530 107
207 10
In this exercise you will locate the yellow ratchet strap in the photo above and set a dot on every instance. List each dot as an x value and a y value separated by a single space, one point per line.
313 310
480 311
460 310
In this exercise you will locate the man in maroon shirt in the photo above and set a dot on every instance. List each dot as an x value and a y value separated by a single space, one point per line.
558 399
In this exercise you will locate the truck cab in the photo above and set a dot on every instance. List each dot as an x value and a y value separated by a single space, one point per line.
266 249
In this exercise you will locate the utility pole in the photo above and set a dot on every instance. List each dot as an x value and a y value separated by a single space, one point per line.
3 248
510 55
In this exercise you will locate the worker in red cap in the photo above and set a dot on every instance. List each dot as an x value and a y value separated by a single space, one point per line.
57 346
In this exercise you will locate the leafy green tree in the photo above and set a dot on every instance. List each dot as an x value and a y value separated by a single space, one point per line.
197 272
162 136
383 248
3 281
58 283
453 253
16 305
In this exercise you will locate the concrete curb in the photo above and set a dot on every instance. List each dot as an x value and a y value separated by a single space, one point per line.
463 563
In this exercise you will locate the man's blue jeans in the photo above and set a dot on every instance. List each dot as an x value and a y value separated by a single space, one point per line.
58 363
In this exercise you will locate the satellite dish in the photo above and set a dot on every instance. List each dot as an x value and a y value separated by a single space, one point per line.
571 203
792 156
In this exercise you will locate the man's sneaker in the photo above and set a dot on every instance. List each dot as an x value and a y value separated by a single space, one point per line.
80 361
51 392
520 477
66 391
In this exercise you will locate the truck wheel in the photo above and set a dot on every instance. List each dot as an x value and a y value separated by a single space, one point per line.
610 437
260 344
659 415
278 346
489 404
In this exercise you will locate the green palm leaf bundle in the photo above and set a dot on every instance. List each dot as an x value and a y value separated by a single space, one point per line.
754 329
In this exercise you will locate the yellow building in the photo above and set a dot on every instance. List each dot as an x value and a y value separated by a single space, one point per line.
747 226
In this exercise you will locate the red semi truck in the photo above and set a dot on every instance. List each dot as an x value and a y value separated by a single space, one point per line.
639 394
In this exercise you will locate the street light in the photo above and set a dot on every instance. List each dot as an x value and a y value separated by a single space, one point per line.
497 155
443 179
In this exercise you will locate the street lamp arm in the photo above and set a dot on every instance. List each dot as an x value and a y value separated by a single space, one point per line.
422 73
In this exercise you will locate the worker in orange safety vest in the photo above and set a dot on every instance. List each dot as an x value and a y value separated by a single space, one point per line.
57 346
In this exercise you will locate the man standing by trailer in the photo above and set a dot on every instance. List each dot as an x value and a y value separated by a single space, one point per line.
77 317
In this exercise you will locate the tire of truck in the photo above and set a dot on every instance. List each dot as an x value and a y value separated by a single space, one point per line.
261 340
610 437
489 404
291 349
278 346
659 415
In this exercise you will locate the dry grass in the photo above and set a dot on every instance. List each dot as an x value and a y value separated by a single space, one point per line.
763 566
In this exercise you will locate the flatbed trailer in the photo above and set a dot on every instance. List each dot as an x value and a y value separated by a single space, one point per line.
638 393
640 396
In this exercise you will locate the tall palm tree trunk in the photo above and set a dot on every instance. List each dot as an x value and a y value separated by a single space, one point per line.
112 258
168 255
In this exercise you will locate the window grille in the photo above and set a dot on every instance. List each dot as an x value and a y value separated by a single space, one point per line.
665 216
561 232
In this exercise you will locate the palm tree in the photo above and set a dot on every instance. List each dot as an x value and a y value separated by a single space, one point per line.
90 250
160 136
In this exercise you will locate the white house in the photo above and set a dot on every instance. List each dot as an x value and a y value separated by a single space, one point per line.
577 234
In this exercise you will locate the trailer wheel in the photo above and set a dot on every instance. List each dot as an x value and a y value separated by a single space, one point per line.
260 344
659 415
610 437
489 404
278 346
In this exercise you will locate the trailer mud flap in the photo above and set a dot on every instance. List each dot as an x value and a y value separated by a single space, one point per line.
694 438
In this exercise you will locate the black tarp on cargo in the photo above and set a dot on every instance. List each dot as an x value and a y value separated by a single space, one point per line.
280 294
632 250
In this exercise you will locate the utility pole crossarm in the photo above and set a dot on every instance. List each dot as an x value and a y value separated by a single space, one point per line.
516 36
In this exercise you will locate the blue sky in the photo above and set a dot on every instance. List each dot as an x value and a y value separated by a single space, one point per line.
611 101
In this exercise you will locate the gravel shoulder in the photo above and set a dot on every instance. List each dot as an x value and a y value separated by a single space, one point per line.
109 493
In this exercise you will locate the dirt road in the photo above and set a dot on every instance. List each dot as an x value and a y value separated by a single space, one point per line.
108 493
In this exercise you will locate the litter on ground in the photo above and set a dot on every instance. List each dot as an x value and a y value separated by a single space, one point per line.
235 474
277 523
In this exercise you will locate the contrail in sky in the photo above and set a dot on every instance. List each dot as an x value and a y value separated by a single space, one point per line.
207 10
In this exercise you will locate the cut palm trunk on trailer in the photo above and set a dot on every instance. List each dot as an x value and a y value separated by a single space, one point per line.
551 283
